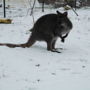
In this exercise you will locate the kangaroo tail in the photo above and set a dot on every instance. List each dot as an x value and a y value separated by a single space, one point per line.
13 45
29 43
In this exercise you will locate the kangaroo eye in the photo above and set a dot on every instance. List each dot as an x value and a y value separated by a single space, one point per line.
59 21
62 26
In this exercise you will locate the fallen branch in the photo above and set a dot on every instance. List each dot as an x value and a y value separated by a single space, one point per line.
5 21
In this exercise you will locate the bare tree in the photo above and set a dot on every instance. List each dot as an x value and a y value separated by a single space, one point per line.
33 7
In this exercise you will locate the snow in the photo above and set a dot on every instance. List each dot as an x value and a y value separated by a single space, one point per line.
35 68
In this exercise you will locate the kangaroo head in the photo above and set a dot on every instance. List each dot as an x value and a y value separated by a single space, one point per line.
64 25
65 14
63 21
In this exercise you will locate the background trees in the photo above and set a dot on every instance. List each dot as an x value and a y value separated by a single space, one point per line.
73 3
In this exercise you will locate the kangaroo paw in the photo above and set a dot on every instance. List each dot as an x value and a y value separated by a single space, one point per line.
55 50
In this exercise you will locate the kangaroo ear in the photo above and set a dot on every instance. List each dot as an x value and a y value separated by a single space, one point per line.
65 14
58 12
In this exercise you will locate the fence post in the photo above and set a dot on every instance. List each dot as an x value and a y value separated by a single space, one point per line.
43 6
75 4
4 5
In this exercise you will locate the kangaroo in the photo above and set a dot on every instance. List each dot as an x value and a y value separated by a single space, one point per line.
48 28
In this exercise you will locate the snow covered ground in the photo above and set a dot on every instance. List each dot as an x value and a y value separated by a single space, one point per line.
35 68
